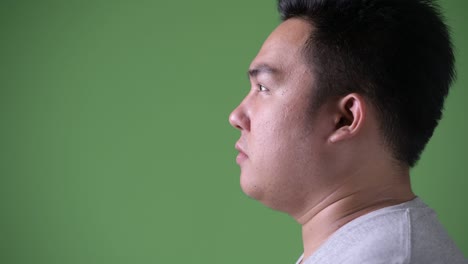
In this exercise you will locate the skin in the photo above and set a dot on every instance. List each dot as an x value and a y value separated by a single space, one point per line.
324 167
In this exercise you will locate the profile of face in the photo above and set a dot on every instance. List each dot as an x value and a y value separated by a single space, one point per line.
282 147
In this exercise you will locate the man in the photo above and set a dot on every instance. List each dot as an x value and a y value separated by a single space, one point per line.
344 96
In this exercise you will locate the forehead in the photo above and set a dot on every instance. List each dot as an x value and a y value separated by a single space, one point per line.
283 46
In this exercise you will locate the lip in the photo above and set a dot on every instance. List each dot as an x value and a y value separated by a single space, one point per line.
242 155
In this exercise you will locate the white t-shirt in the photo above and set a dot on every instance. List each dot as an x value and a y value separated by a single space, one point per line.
408 233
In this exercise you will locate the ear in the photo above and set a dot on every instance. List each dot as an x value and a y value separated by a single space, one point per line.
349 117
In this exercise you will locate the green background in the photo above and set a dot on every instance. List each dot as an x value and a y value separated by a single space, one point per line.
115 141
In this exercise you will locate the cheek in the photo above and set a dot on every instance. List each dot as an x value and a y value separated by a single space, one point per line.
280 136
277 160
282 150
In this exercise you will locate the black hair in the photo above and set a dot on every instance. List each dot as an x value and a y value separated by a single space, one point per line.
396 53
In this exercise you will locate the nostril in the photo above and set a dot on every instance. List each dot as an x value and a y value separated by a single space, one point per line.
239 119
235 122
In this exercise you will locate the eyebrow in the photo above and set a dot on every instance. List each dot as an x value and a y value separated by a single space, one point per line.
261 69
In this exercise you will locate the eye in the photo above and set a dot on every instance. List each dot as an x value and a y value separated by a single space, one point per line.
262 88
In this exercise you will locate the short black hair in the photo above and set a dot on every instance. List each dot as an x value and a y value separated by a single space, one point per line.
396 53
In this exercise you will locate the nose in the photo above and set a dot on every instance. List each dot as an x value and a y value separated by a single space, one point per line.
239 118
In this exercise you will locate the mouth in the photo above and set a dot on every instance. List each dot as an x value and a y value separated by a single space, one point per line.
242 156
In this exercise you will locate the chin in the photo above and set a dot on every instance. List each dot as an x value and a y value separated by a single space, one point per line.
257 190
251 187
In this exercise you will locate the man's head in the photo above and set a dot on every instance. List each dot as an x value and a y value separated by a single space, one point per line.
337 88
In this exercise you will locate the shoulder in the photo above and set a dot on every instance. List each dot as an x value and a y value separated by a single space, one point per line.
430 243
405 233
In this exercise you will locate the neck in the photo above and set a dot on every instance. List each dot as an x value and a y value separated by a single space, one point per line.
347 203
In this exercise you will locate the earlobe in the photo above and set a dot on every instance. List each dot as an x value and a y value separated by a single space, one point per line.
349 118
